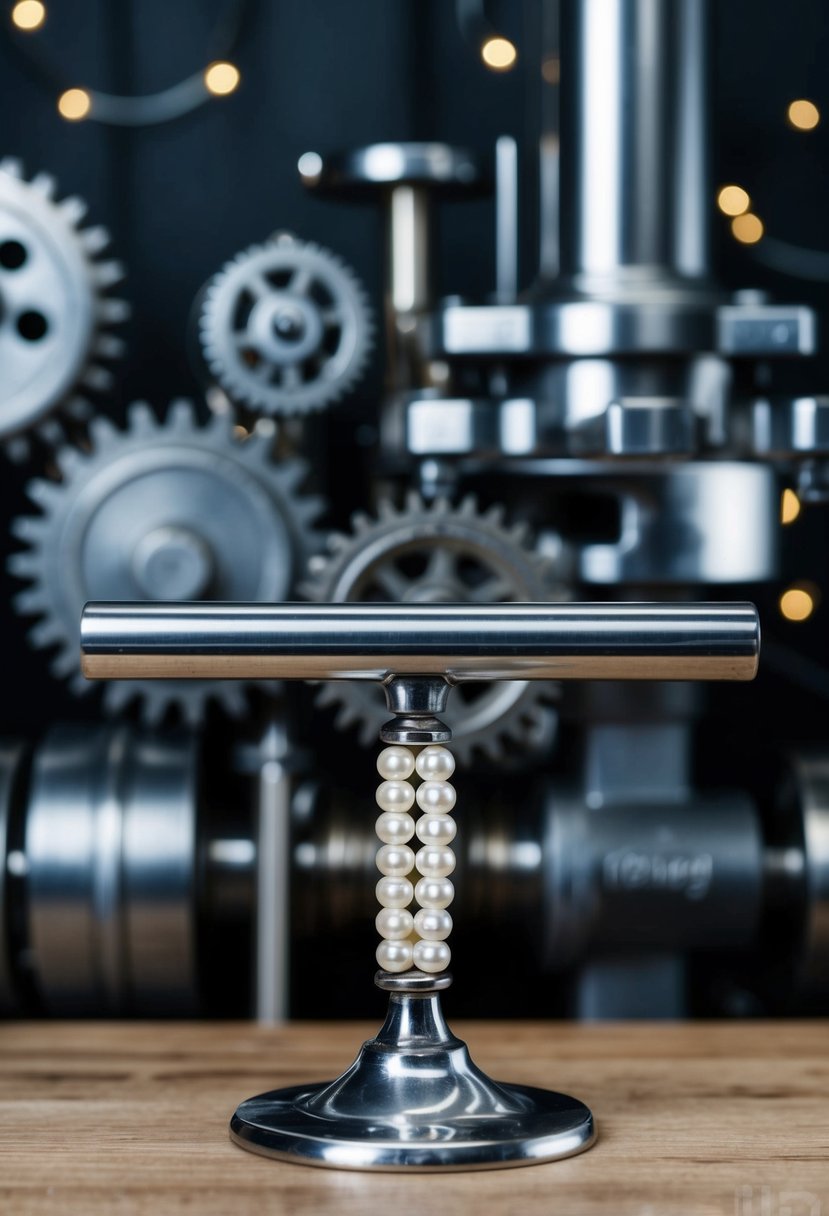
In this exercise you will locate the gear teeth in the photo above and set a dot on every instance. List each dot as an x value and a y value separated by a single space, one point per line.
23 565
512 713
45 633
109 346
118 696
74 210
102 433
336 377
143 436
31 602
63 664
79 686
95 240
113 312
107 274
45 494
12 166
97 378
180 417
44 184
141 419
50 432
17 449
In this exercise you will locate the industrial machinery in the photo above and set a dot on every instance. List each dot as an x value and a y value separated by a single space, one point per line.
616 429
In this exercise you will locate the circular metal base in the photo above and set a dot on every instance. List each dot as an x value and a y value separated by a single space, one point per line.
413 1100
281 1125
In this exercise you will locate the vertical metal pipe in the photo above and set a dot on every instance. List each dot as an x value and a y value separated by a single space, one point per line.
634 186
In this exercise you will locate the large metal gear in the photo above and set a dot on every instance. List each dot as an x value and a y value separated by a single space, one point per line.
54 307
161 511
285 327
441 554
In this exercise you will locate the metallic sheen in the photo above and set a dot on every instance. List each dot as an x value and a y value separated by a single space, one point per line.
460 642
413 1099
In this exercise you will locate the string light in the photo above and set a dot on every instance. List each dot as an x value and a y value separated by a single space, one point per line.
803 115
789 507
221 78
74 104
28 15
797 604
747 229
499 54
733 200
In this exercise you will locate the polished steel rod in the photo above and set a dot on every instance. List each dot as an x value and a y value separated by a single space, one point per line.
459 642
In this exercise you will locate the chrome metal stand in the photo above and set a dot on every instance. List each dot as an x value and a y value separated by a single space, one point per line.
414 1099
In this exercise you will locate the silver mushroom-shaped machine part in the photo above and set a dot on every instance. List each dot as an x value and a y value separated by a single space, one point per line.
413 1098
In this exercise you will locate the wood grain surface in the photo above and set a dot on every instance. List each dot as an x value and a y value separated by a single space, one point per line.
708 1119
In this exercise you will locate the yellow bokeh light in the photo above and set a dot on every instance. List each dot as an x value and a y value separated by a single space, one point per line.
803 114
29 14
499 54
747 229
797 604
221 78
74 104
789 507
733 200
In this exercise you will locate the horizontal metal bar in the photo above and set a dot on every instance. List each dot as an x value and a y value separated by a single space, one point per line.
459 642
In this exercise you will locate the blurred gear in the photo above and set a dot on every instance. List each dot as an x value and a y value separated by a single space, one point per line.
441 554
156 512
285 327
54 311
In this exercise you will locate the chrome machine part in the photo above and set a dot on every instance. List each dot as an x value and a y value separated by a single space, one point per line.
441 554
285 327
406 177
161 511
414 1099
808 859
12 755
110 861
55 307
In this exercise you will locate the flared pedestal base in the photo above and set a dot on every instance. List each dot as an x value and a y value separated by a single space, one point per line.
413 1100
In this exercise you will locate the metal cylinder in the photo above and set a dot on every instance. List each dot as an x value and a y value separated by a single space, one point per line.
457 642
634 176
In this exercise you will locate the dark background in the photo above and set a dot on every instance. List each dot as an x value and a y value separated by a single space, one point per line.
181 198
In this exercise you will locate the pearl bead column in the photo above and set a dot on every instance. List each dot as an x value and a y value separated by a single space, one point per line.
420 940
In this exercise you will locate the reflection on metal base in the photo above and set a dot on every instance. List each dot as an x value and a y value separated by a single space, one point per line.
413 1099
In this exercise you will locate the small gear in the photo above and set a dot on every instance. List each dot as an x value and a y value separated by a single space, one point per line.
285 327
441 554
160 511
54 308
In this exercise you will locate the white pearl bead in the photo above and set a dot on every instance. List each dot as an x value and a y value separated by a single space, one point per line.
395 860
436 829
395 827
394 892
395 923
395 763
431 956
394 956
395 796
432 924
436 796
434 892
435 763
435 862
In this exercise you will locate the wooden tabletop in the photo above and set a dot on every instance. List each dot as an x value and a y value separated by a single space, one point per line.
711 1118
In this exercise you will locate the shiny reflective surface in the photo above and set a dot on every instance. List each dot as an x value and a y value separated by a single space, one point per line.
413 1099
460 642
